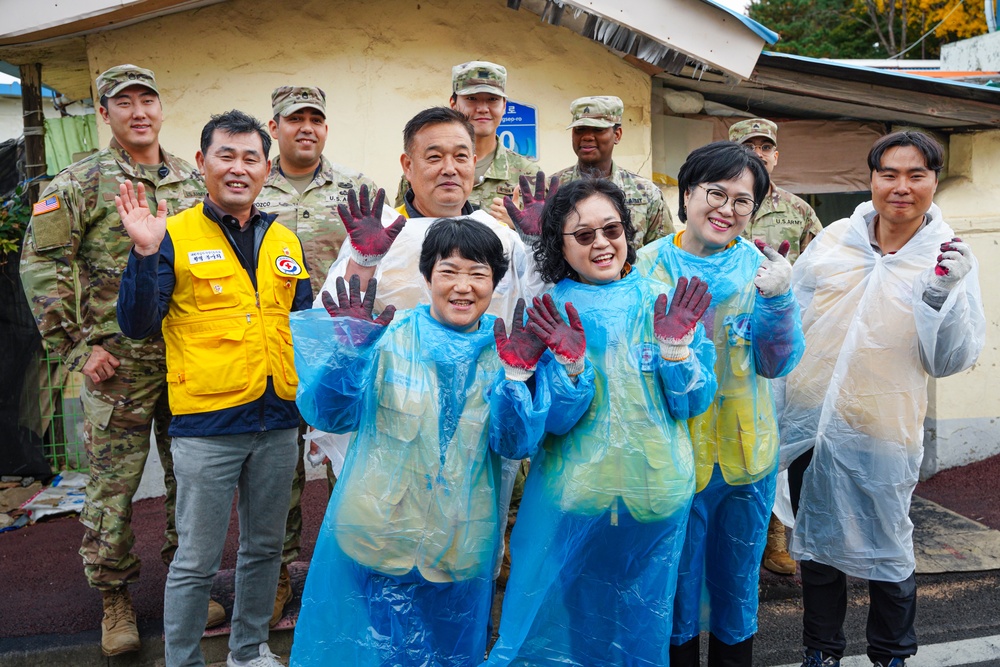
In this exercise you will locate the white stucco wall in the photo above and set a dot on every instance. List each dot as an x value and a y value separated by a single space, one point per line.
379 62
963 417
12 116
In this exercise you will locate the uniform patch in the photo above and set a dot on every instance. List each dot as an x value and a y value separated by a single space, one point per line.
287 265
46 205
199 256
505 189
644 356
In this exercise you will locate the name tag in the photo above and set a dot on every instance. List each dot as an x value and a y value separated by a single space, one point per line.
199 256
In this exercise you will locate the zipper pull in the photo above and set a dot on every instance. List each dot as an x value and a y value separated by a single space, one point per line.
248 318
257 297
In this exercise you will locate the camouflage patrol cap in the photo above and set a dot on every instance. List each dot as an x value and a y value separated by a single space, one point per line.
286 100
753 127
479 76
118 78
596 111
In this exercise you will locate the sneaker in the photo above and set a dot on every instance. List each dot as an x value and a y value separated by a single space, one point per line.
216 614
814 658
118 631
282 597
265 659
776 558
894 662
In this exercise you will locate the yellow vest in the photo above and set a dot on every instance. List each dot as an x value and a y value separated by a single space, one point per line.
223 339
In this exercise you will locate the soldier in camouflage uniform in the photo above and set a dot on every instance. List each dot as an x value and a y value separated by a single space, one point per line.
781 217
304 188
479 92
75 240
597 128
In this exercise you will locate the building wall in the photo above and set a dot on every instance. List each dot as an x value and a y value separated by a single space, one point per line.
963 418
12 116
379 62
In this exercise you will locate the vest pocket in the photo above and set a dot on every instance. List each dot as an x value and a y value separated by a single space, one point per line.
287 357
215 362
214 285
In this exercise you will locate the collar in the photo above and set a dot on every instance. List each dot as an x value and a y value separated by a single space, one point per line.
217 215
412 212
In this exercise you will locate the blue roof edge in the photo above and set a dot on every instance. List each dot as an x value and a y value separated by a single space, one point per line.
759 29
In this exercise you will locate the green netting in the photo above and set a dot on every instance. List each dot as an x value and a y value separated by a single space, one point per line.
62 416
66 137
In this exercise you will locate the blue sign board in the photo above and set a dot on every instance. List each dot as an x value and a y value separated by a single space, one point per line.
518 130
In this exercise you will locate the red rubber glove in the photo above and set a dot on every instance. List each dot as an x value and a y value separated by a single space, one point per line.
519 353
567 341
674 329
370 241
529 220
352 306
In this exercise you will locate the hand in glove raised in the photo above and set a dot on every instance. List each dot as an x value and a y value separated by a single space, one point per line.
567 341
953 264
370 241
529 220
774 276
674 328
519 353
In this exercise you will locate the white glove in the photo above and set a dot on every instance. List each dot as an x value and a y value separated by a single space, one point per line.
953 264
774 276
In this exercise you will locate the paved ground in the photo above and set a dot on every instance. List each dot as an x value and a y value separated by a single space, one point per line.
48 615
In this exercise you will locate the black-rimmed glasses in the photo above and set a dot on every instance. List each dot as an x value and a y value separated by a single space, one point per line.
587 235
717 198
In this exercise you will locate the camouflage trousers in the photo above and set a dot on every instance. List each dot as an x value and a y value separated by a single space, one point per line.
292 546
119 414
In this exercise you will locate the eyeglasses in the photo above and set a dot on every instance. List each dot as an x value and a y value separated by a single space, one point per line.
718 198
765 149
587 235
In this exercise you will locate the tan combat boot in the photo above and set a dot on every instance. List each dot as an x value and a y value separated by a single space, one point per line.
776 557
283 595
118 631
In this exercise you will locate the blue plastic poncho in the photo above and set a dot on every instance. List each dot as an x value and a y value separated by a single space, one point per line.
596 544
735 440
860 394
401 574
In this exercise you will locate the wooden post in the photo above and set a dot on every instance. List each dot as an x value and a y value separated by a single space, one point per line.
34 125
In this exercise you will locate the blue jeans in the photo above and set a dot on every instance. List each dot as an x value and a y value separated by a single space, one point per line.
208 471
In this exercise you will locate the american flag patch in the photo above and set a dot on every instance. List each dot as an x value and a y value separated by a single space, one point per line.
45 206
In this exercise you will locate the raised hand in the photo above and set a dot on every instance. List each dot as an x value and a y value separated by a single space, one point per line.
519 353
351 305
145 229
370 241
567 341
674 328
954 262
529 220
774 275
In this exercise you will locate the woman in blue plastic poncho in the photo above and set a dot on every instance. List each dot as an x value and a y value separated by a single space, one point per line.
754 321
402 571
597 541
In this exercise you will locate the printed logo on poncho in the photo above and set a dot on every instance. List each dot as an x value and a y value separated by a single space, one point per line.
738 328
643 356
287 265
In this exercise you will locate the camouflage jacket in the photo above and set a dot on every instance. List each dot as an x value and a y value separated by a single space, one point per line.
784 217
75 252
313 215
499 180
650 215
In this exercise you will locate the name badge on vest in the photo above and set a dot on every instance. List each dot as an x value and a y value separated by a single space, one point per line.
199 256
287 266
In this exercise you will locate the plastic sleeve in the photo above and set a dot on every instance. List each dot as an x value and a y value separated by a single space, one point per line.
571 396
778 341
517 417
689 385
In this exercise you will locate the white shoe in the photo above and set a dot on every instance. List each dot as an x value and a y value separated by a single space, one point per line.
266 659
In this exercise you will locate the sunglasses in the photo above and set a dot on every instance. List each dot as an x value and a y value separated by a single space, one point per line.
586 236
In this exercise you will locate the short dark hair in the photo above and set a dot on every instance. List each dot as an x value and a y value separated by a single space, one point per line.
469 238
549 260
721 161
926 144
234 122
435 116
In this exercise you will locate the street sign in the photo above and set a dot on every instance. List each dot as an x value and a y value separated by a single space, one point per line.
518 130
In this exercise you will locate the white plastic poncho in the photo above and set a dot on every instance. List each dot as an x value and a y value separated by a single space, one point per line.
859 395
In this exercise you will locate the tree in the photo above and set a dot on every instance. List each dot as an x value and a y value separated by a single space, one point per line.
869 28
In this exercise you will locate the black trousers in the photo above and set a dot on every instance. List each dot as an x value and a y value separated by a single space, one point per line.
892 606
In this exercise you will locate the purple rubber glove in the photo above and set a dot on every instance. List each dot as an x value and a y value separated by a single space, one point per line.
529 220
365 329
370 241
567 341
519 353
674 328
